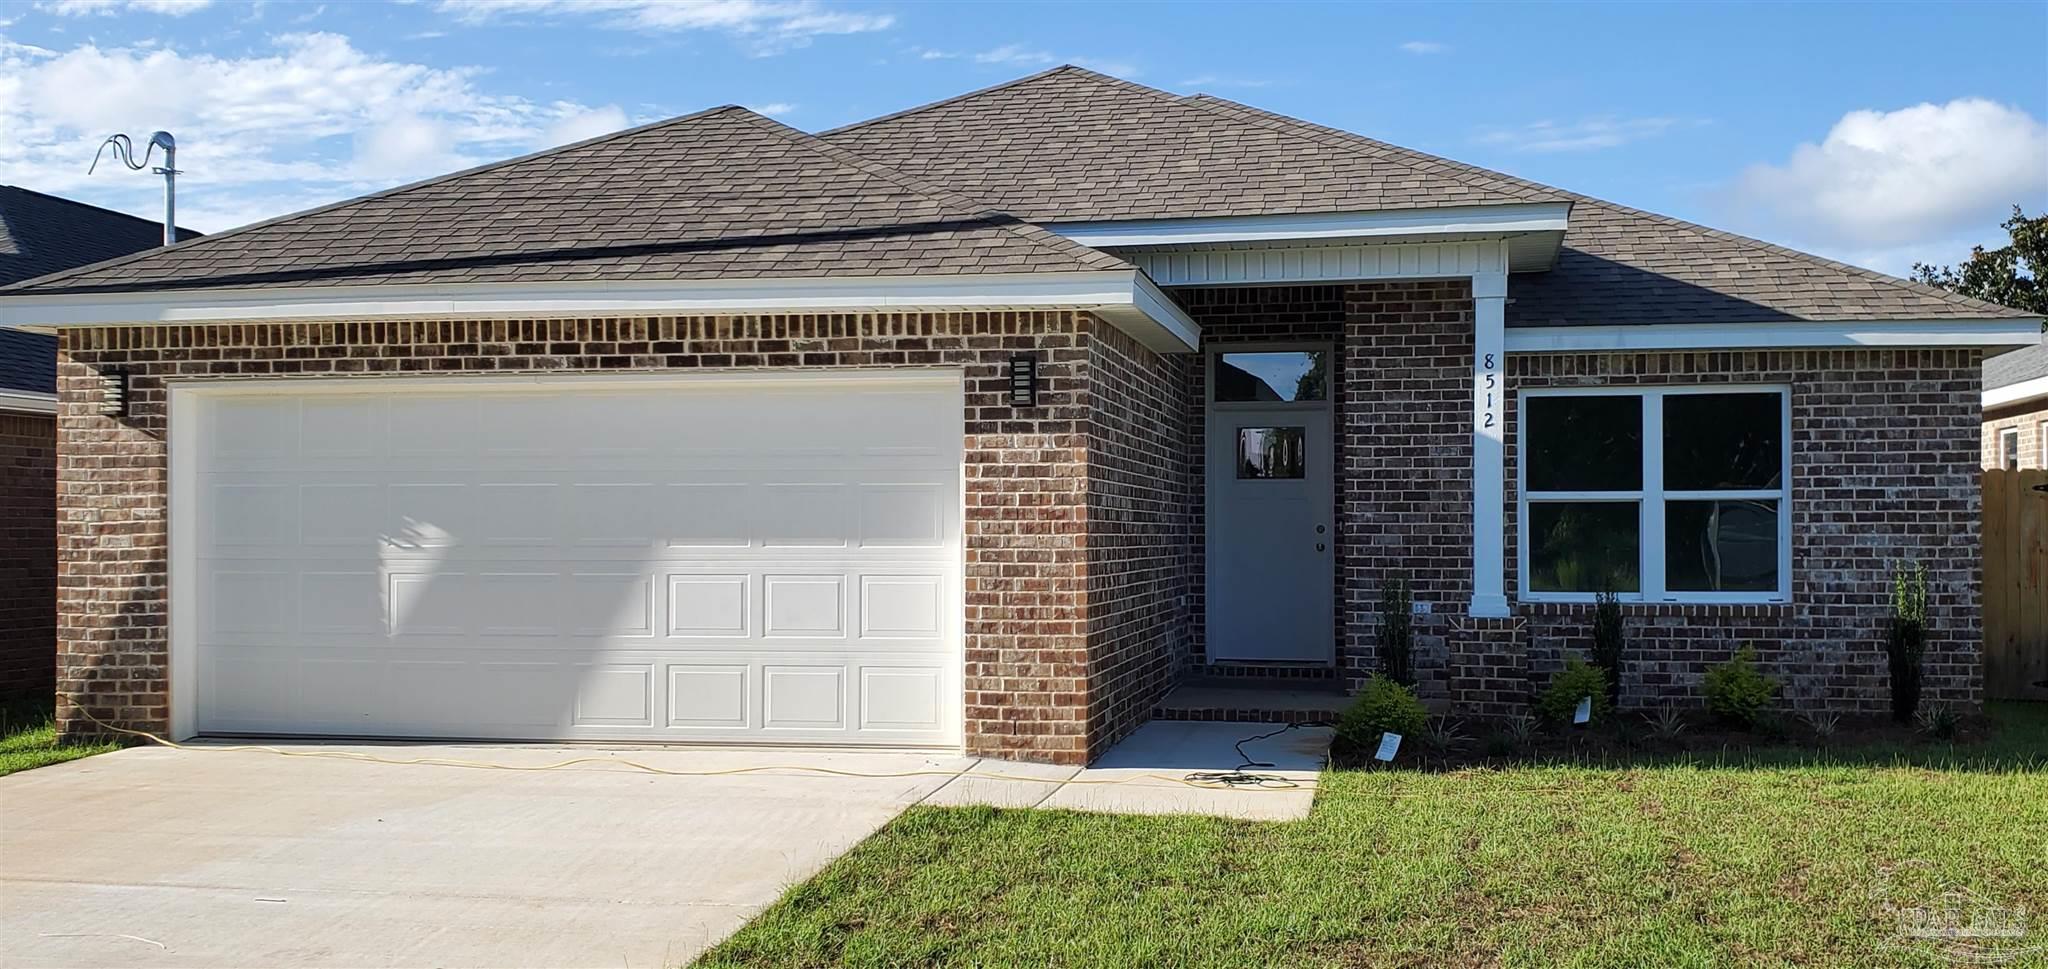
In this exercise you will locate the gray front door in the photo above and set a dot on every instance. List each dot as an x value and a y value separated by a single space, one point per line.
1271 537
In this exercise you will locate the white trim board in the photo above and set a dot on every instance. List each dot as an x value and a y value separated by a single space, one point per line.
1491 220
1125 297
1762 336
2018 393
27 402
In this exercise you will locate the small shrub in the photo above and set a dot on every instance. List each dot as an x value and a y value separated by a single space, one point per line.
1608 642
1666 724
1823 725
1559 702
1906 638
1938 721
1384 706
1397 631
1737 692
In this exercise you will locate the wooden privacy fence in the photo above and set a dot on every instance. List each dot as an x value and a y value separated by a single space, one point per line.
2016 585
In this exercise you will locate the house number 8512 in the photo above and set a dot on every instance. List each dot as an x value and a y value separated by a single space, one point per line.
1489 415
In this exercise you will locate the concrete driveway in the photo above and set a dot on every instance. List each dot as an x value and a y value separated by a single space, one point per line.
158 857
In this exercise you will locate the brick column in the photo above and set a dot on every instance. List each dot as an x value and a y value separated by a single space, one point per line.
1489 667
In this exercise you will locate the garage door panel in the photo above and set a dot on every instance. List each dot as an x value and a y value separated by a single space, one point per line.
773 562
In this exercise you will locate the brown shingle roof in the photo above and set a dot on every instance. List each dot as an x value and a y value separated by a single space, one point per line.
1073 145
724 193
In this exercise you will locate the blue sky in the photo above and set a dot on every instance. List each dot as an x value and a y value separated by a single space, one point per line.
1879 134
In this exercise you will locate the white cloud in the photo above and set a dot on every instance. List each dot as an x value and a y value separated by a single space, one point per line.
1884 183
578 123
1018 55
773 109
769 26
81 8
1424 47
311 120
1589 134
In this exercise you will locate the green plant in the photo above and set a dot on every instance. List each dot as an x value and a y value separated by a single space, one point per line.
1666 724
1444 735
1608 641
1384 706
1737 692
1397 631
1939 721
1823 725
1906 638
1559 702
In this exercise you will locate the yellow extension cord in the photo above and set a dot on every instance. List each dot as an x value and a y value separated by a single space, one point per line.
1242 782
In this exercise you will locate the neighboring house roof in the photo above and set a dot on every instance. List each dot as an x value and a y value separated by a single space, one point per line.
28 362
722 194
1073 145
2019 366
41 234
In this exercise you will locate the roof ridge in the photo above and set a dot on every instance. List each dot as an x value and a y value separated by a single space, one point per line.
996 217
1234 107
62 275
154 223
977 92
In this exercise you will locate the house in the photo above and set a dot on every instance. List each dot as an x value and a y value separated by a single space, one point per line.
39 234
983 425
2016 409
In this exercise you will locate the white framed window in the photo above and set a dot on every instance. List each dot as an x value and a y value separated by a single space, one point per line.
2041 452
1658 494
2009 449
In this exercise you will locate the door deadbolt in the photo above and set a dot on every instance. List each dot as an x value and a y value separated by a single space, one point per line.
1319 529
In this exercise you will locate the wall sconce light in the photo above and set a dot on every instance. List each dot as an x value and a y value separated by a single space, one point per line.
1024 380
114 393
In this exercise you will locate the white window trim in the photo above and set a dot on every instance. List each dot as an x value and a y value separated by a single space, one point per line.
1651 497
2009 434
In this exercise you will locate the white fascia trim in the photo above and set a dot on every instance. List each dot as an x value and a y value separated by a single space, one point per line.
1450 220
27 402
2018 393
1124 294
1742 336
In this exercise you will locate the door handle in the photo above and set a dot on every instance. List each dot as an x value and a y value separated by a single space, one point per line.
1319 546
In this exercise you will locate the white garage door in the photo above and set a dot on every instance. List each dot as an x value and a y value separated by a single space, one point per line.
771 558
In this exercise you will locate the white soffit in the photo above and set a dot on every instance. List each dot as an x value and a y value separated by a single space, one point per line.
1531 233
2018 393
1125 297
1760 336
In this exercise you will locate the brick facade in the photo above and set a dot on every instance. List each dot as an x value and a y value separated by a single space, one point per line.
1084 518
1883 470
2031 420
1140 556
28 555
1028 670
1884 460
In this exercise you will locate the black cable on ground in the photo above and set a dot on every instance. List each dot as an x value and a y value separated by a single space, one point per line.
1241 776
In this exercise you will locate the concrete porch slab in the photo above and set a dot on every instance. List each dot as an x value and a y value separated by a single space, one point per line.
1146 774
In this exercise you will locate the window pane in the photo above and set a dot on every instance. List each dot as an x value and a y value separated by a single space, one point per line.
1584 546
1272 376
1721 546
1583 443
1269 452
1723 441
2009 448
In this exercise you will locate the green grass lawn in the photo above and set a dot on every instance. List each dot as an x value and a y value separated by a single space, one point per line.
1775 857
28 739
